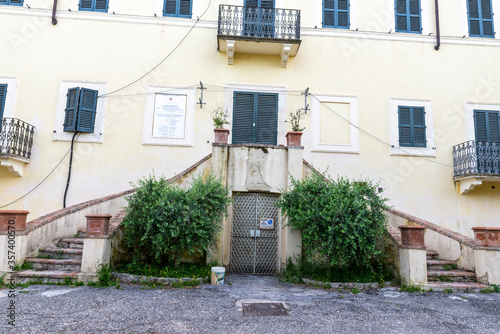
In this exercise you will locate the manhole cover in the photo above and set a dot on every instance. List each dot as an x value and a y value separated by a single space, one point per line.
264 309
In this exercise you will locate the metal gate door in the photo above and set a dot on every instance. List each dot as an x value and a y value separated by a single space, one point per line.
254 250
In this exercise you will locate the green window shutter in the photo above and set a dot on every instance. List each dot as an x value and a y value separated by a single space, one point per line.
86 110
486 124
71 111
343 14
266 4
185 8
243 117
267 118
419 139
86 5
404 126
3 97
170 7
480 125
487 18
251 3
480 18
101 5
493 126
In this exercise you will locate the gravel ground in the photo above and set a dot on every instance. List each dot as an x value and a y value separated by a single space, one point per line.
217 309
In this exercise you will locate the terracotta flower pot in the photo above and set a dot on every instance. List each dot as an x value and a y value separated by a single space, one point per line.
221 136
412 235
480 236
97 224
16 218
293 139
493 237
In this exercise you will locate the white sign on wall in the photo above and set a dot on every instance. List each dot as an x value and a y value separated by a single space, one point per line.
169 118
267 223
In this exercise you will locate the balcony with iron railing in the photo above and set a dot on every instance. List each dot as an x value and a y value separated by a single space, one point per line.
251 30
16 141
475 162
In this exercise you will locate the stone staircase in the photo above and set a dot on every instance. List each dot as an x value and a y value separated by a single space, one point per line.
445 275
60 264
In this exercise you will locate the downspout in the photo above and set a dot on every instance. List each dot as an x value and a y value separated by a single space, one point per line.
54 9
438 33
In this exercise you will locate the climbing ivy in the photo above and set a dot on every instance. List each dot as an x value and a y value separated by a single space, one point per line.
340 221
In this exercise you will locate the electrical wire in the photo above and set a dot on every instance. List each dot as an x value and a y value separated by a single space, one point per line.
164 58
377 138
29 192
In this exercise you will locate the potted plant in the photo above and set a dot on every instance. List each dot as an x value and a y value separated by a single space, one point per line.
293 138
219 118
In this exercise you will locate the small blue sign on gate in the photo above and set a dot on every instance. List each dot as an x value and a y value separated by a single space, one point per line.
266 223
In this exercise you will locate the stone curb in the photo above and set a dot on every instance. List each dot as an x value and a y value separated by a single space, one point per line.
129 278
360 286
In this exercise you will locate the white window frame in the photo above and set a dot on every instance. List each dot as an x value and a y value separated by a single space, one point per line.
430 149
230 88
147 136
10 98
97 136
470 130
316 144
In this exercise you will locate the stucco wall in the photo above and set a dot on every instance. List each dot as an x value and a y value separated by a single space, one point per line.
370 65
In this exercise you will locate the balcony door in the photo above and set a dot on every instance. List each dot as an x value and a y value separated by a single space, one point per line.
487 128
259 18
3 97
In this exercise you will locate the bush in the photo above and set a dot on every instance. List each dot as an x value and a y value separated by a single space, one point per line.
340 221
164 221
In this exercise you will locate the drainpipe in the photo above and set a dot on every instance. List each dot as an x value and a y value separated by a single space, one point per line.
54 20
438 33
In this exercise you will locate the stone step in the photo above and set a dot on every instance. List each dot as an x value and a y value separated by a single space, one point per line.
432 254
450 276
61 253
81 233
70 243
441 265
54 264
456 286
47 276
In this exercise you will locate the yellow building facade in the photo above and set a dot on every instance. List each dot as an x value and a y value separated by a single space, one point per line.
391 94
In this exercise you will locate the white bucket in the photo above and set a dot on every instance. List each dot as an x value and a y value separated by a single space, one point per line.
218 274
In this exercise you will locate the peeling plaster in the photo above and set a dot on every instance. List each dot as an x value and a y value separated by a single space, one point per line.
255 170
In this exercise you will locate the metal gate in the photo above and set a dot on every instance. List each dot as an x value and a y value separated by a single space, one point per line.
254 250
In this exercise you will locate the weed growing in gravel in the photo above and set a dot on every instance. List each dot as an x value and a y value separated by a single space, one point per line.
410 288
355 291
184 284
448 291
492 288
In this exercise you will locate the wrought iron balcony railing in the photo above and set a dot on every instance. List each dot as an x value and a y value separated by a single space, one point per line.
476 158
16 138
272 23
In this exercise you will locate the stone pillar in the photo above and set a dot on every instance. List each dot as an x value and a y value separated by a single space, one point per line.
217 253
13 241
412 255
487 254
291 241
96 251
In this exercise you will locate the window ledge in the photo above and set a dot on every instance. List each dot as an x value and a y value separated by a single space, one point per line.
14 164
413 152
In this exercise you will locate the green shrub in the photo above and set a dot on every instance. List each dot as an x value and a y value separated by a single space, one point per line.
341 221
164 221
